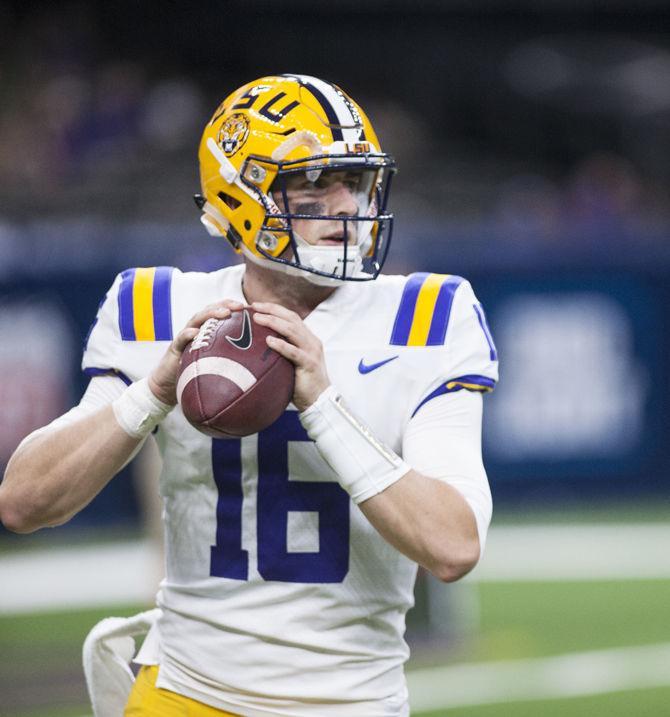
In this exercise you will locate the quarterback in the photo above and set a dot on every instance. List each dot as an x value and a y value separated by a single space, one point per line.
290 554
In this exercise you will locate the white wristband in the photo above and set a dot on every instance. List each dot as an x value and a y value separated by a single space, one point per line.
364 465
138 411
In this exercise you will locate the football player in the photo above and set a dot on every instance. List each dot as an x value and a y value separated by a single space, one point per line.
291 554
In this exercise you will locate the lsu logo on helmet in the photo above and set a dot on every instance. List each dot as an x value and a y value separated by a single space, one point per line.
233 133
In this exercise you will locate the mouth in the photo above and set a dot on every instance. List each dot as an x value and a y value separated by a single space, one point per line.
331 240
335 239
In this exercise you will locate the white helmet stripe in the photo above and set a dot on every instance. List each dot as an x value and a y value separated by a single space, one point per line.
341 108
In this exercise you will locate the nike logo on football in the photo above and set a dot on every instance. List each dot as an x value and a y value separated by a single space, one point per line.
366 368
243 341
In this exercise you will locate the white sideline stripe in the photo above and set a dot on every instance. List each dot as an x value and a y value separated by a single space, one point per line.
570 675
91 576
575 552
126 572
216 366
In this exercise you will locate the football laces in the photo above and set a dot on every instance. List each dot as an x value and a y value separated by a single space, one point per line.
207 330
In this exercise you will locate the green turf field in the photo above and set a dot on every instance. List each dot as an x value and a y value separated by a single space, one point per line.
637 703
40 673
549 618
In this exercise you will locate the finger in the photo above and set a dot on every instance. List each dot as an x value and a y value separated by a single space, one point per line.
220 310
288 329
197 320
269 307
183 338
232 304
287 350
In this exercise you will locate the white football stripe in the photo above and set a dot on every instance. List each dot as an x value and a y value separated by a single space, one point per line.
216 366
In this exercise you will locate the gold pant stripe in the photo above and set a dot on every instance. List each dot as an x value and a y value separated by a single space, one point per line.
147 700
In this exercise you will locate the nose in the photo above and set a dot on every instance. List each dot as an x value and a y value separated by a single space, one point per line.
342 201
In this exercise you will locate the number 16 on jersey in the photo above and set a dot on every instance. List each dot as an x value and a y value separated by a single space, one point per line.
277 495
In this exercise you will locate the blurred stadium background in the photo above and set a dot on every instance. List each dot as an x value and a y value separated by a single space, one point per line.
533 142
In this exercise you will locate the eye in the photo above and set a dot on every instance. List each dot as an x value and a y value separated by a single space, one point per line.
348 179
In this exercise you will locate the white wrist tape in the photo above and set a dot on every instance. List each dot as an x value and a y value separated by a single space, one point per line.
138 411
364 465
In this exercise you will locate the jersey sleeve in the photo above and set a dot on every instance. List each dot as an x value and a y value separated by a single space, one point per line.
463 356
101 391
443 441
453 360
134 314
103 343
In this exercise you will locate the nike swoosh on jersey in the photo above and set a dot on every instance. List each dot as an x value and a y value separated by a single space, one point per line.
243 341
366 368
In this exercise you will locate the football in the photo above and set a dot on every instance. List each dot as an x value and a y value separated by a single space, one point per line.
231 383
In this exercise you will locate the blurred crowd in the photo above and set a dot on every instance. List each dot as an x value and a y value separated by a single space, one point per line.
85 133
107 146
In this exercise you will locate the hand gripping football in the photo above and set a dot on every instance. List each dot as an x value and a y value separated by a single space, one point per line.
231 383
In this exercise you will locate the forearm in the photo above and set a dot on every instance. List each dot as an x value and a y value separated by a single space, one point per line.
58 470
425 518
429 521
57 473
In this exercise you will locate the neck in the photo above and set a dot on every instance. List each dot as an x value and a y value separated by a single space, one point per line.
292 292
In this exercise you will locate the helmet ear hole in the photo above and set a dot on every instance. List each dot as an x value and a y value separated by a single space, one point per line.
229 201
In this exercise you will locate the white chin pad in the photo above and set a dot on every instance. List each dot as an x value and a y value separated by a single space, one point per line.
329 260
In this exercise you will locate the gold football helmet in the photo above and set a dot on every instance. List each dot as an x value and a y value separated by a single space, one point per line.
258 140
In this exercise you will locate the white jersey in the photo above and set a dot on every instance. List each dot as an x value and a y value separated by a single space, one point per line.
279 597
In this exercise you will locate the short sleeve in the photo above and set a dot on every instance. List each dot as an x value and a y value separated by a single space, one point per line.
103 343
468 359
444 442
133 323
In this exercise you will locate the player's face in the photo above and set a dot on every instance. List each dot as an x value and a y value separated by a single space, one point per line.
334 193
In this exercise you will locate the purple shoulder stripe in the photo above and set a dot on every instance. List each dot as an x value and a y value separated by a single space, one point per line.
442 310
405 314
162 303
472 382
94 371
126 322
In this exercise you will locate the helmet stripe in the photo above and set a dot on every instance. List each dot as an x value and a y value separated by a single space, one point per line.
345 125
352 110
333 119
